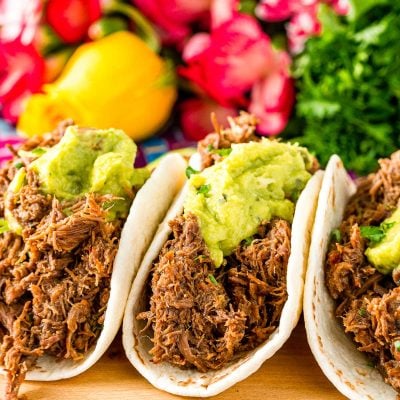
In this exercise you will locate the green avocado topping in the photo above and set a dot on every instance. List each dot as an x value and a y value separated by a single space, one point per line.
255 182
91 161
384 246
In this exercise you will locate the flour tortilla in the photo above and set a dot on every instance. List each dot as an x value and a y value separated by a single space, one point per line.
148 208
335 352
174 380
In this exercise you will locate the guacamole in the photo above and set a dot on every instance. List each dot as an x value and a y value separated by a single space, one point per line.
91 160
385 255
254 183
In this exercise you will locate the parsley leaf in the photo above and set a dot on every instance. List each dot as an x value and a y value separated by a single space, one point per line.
348 100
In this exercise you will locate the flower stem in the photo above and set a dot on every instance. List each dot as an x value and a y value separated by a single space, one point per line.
144 28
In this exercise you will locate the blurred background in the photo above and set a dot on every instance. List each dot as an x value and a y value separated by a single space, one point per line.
324 73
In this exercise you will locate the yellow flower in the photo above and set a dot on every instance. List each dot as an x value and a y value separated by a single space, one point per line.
117 82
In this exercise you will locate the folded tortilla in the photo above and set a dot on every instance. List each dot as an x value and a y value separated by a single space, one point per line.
337 355
191 382
148 209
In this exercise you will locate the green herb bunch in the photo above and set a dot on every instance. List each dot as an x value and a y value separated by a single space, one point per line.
348 86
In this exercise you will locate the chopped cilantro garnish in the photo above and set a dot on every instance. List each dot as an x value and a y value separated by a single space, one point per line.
248 240
370 364
375 234
18 165
204 189
108 204
336 236
210 148
212 279
397 345
223 152
362 312
4 226
190 171
38 151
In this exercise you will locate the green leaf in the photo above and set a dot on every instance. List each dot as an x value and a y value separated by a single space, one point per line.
212 279
362 312
222 152
4 227
18 165
190 171
374 234
397 345
38 151
360 7
204 189
336 236
248 241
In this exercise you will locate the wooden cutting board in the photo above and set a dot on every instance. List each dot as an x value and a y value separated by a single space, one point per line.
291 374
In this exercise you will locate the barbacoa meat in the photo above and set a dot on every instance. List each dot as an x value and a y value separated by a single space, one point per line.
368 302
203 316
55 277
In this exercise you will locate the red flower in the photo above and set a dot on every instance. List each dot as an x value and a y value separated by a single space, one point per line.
272 98
71 19
195 117
174 17
21 73
226 63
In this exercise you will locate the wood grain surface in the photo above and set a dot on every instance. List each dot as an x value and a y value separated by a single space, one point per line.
291 374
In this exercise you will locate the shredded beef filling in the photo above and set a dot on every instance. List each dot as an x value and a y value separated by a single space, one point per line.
202 316
368 302
55 277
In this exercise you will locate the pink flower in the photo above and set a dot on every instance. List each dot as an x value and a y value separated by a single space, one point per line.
272 98
71 19
302 16
195 117
21 73
281 10
174 17
19 19
225 63
303 25
341 7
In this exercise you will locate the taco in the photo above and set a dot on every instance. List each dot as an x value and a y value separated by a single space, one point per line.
67 256
220 288
352 298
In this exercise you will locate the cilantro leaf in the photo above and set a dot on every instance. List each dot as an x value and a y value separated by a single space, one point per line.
212 279
190 171
204 189
336 235
4 227
38 151
223 152
376 234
